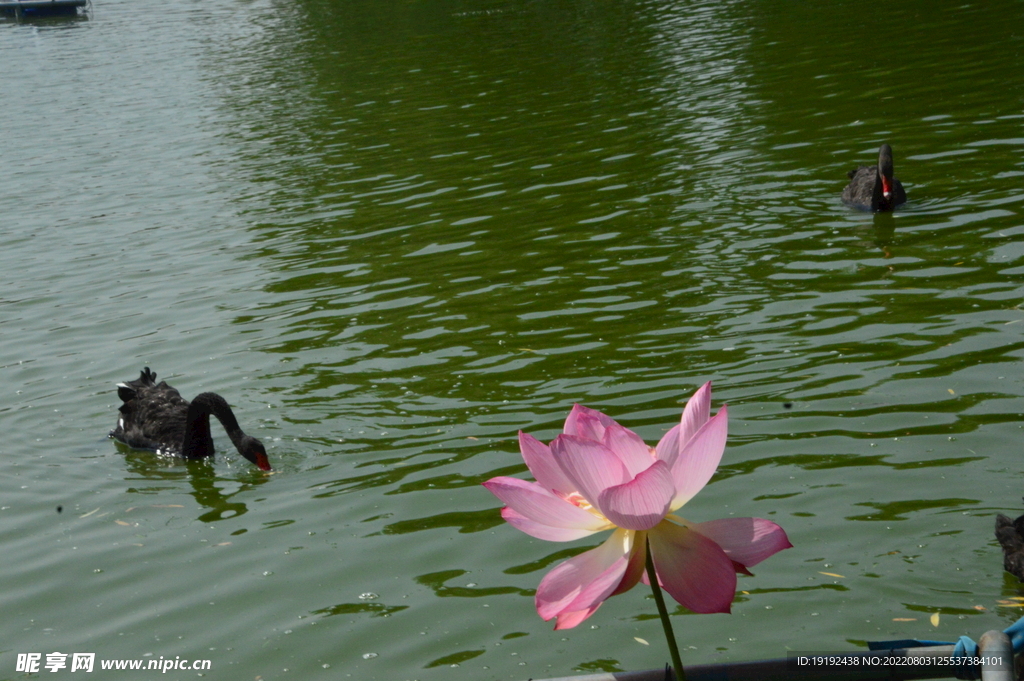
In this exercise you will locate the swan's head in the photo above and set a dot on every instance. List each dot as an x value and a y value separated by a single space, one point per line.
253 449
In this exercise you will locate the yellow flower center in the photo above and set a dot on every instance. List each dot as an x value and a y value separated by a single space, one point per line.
577 499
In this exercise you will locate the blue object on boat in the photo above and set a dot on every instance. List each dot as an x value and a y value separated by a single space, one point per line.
965 647
41 7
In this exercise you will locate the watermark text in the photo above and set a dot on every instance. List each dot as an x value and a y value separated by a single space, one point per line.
33 663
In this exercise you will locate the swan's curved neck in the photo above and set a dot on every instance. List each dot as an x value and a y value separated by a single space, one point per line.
198 441
877 195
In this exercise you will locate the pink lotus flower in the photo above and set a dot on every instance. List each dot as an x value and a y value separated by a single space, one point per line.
599 476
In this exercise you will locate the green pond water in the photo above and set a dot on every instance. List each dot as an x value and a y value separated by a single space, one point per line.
393 235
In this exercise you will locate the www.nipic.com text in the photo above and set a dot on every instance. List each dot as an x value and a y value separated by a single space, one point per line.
85 662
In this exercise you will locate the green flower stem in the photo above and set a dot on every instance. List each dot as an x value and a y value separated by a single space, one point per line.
652 576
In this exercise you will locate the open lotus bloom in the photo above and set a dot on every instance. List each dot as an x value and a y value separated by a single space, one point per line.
598 475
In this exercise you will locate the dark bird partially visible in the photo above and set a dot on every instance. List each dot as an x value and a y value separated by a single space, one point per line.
1010 534
155 416
873 187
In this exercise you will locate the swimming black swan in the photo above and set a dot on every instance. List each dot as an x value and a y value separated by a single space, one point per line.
155 416
1010 534
873 187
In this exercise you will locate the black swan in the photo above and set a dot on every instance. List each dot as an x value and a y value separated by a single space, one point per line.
1010 534
155 416
873 187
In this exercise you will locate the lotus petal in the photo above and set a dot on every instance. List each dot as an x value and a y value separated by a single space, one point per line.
632 451
542 531
542 465
568 620
590 465
693 569
669 445
747 541
641 503
637 565
532 501
587 423
584 581
699 458
696 413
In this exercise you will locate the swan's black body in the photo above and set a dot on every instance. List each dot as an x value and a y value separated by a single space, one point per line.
155 416
1010 534
873 187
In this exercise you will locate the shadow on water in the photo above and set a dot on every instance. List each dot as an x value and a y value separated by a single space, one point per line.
160 473
885 232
